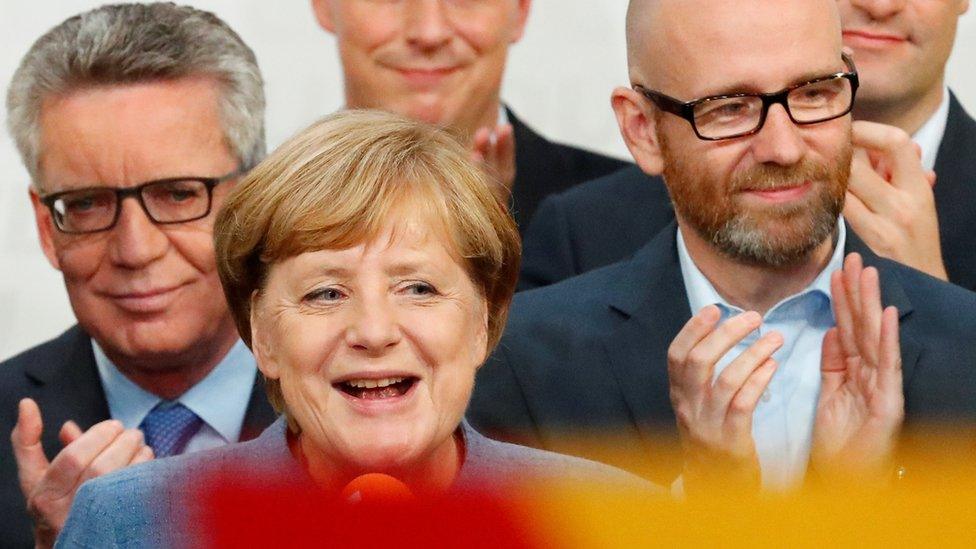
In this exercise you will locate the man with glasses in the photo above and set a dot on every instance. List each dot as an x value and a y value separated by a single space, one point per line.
901 49
756 334
134 122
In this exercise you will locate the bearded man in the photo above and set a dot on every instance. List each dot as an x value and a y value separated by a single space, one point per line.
757 335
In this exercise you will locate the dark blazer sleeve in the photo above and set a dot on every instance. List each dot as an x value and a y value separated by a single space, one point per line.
547 249
505 418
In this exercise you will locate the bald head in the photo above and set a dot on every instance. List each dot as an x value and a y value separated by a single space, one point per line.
663 36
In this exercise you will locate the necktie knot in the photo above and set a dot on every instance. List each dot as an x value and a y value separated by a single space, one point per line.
169 427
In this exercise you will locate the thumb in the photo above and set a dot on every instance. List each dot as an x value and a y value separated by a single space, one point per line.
26 442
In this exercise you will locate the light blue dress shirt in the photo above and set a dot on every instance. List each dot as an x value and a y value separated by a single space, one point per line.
220 399
782 424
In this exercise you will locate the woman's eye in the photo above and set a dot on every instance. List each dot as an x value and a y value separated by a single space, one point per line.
325 294
421 288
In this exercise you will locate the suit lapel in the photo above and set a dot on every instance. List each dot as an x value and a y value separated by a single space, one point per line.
653 305
259 413
892 293
69 388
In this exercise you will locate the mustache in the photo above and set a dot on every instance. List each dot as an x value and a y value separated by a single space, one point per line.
767 177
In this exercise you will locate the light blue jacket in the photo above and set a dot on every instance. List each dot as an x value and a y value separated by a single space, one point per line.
150 505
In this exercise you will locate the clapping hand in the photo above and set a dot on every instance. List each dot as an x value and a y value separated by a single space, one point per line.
494 148
715 419
49 487
861 406
890 203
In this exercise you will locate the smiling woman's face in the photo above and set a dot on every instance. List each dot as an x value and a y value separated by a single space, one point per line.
376 347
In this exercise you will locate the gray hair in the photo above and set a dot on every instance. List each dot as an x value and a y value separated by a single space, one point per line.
132 43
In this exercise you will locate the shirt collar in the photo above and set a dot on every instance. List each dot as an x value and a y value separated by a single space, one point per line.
929 136
702 293
220 399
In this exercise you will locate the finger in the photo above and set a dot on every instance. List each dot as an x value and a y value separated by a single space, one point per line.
735 374
25 438
889 370
853 267
480 144
858 215
842 314
143 455
833 367
702 358
898 150
506 152
931 177
868 329
866 184
69 433
918 150
744 402
118 454
68 466
691 333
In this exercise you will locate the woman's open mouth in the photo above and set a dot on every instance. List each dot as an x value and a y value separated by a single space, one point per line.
376 389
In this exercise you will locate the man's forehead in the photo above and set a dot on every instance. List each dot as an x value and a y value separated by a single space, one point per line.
749 46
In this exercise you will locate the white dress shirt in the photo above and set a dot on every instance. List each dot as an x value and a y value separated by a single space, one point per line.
929 136
220 399
782 424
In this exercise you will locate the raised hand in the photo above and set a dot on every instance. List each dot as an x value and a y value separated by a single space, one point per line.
861 406
494 148
715 419
49 487
890 203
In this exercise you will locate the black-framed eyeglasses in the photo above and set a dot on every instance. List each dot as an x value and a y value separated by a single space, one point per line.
740 114
165 201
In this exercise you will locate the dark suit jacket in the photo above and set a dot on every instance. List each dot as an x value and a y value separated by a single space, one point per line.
606 220
62 377
543 168
588 356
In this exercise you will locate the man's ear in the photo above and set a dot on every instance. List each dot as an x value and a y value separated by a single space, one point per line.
45 228
323 13
260 341
637 129
522 18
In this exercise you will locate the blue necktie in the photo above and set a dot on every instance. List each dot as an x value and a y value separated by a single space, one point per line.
169 427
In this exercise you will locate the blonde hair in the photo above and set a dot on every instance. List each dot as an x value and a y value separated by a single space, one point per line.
335 184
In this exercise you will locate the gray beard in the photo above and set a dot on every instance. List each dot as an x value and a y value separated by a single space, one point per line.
744 241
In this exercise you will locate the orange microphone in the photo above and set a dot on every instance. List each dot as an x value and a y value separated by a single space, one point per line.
376 488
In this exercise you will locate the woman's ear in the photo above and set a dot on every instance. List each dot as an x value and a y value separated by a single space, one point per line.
638 129
261 339
483 335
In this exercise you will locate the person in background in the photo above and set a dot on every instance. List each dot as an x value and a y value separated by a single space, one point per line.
756 333
901 50
370 268
134 122
442 62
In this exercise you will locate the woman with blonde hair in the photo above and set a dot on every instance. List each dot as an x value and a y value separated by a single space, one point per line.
370 269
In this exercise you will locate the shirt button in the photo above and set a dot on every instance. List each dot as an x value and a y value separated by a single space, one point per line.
766 396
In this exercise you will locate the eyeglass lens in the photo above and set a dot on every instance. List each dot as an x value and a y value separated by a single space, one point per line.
814 102
165 202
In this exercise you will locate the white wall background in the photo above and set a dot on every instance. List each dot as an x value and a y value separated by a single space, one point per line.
559 79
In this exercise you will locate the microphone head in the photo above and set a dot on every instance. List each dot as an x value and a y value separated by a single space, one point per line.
376 488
